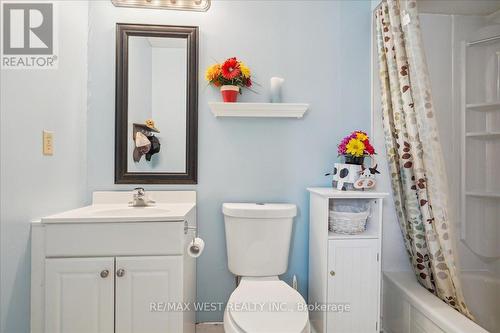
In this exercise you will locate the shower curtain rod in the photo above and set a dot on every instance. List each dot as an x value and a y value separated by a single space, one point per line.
485 40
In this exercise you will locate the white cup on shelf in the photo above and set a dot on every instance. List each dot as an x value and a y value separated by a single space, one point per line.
276 87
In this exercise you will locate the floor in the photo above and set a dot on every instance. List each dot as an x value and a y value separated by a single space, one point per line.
210 328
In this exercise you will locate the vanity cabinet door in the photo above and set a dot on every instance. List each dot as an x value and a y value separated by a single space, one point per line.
79 295
354 280
145 287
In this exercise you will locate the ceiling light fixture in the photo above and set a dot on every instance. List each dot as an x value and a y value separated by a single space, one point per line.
193 5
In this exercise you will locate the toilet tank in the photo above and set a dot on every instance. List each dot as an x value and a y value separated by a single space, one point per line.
258 237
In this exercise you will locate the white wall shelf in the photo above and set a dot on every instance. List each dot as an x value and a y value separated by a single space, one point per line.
495 106
368 234
483 135
482 194
269 110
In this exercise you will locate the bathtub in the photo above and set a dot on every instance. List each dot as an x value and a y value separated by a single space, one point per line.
410 308
482 293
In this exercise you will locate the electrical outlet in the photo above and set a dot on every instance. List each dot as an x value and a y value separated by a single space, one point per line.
48 143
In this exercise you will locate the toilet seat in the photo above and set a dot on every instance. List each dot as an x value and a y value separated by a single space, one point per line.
264 305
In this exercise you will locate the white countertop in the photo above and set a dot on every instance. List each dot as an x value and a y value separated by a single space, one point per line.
112 206
100 213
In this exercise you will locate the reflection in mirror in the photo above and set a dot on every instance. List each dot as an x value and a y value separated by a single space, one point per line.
157 79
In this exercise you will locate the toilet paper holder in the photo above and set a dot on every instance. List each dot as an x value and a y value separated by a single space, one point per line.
187 228
196 245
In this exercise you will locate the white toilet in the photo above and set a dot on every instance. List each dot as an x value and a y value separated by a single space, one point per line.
258 242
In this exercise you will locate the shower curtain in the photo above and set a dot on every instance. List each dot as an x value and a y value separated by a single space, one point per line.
414 152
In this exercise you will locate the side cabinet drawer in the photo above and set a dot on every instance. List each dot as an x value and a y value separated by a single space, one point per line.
114 239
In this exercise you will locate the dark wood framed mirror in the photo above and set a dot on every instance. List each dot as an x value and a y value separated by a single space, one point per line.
156 125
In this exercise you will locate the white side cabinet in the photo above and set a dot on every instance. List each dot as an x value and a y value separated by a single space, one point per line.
96 275
344 270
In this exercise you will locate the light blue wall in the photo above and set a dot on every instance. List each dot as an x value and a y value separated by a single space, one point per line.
33 185
321 48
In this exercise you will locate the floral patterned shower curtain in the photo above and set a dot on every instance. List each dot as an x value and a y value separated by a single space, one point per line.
414 152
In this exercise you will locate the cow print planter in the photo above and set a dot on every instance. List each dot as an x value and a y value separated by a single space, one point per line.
345 175
367 178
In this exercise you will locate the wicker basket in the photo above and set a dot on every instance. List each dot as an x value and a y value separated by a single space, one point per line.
347 222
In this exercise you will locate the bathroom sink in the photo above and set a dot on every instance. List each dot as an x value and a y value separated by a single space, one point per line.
131 211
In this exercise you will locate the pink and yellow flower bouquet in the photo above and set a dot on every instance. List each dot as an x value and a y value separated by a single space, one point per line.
355 147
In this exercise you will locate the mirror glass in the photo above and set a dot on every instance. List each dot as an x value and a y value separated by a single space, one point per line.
157 81
156 132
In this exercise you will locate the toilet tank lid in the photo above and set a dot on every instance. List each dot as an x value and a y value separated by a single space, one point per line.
259 210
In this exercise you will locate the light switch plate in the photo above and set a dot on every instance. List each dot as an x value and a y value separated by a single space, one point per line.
48 143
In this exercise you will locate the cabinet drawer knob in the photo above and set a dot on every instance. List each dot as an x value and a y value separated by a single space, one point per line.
332 273
104 273
120 272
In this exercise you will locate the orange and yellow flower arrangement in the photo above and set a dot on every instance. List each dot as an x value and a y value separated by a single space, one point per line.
231 76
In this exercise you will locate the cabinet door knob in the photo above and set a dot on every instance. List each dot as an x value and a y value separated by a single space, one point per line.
104 273
332 273
120 272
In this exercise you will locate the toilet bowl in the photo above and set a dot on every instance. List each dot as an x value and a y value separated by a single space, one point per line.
265 305
258 242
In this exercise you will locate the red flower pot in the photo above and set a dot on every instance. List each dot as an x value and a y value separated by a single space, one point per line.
229 93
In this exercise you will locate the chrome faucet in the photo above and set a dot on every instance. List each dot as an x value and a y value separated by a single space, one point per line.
140 198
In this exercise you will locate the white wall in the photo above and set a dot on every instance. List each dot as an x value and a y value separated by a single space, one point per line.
33 185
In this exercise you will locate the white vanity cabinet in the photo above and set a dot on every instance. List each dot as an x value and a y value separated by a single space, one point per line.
344 270
146 280
72 287
92 273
